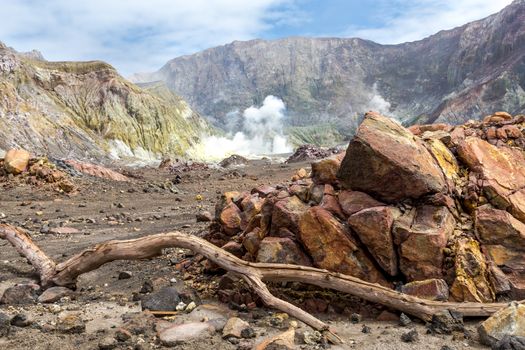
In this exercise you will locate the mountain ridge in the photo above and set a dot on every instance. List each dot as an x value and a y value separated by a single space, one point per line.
451 76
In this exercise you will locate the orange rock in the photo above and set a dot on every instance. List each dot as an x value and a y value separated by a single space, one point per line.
283 341
230 218
16 161
325 170
421 236
282 251
286 213
373 227
332 247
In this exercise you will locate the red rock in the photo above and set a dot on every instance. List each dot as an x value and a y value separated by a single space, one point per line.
432 289
331 203
325 170
97 171
251 206
230 218
332 247
421 236
353 201
281 251
503 173
373 227
263 190
511 131
286 214
387 161
387 316
16 161
497 117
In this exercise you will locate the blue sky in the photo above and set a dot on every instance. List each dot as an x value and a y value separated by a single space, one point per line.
140 36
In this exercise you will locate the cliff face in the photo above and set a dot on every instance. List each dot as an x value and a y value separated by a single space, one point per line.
452 76
87 110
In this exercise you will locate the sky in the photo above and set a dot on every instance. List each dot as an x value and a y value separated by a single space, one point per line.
142 35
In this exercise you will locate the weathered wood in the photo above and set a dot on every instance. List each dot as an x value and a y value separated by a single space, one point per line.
66 273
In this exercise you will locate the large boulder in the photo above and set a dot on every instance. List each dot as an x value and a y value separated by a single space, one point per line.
230 218
472 281
503 240
502 173
422 234
509 321
387 161
373 227
332 247
281 251
16 161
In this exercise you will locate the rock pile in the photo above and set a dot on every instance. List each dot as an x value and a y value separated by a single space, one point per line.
18 166
311 152
439 208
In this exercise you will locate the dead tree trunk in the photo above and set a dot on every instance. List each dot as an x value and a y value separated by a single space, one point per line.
66 273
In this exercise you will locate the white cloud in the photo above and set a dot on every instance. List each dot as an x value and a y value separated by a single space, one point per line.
134 35
400 21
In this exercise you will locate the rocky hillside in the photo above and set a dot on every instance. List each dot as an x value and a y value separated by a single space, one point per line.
87 110
452 76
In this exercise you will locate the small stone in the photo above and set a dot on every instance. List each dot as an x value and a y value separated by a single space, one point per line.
70 323
404 320
124 275
234 328
122 335
446 322
355 318
446 347
21 320
54 294
20 294
5 325
165 299
410 336
190 307
180 334
181 306
366 329
107 343
312 338
248 333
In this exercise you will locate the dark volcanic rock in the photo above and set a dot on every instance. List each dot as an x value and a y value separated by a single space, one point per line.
165 299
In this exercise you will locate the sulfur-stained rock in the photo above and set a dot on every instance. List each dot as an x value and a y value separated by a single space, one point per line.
325 170
502 170
472 275
286 213
332 247
509 321
16 161
432 289
387 161
226 198
503 240
230 218
353 201
497 117
421 235
282 341
282 251
445 159
252 241
373 227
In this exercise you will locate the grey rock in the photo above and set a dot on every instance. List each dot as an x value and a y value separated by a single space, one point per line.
5 325
21 320
165 299
410 336
20 294
446 322
54 294
404 320
510 342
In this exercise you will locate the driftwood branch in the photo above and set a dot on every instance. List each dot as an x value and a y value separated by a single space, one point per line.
66 273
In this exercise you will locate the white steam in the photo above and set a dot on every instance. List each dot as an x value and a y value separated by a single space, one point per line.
377 103
261 134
